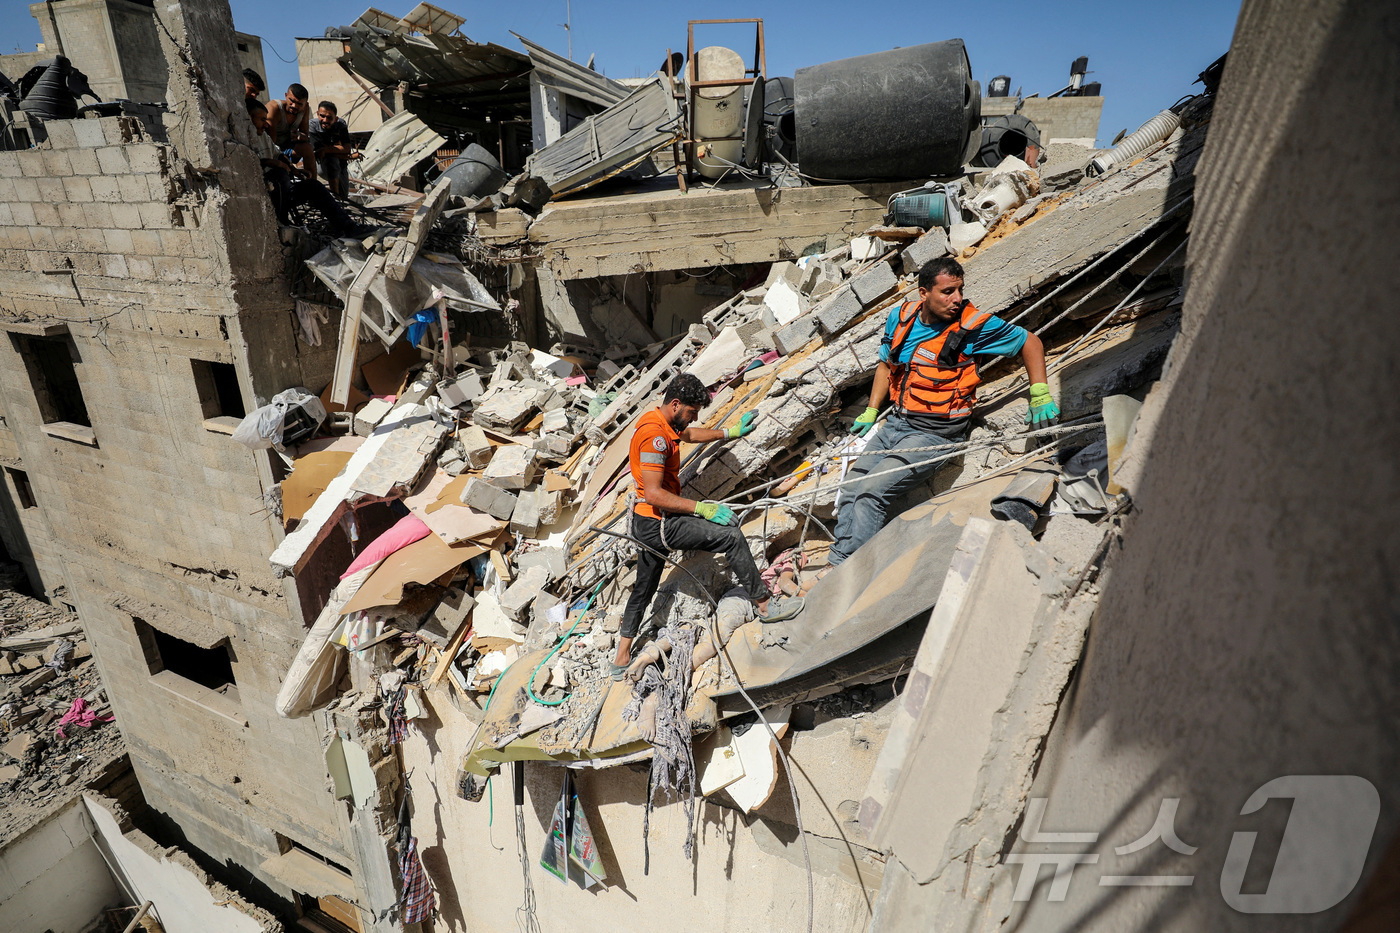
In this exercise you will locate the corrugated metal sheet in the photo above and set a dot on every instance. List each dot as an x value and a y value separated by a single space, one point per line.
400 143
607 141
445 64
569 77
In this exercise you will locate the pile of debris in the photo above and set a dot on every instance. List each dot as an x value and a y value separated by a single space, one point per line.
458 522
54 713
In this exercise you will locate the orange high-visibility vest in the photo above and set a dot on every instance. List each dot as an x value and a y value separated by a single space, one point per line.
939 379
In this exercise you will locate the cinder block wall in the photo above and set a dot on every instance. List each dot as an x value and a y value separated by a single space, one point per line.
153 243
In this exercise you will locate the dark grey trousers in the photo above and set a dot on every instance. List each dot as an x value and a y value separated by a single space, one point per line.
685 533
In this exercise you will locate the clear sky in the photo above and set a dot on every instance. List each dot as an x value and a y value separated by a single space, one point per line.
1145 55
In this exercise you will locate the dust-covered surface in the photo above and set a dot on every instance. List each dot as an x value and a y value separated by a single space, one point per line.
40 769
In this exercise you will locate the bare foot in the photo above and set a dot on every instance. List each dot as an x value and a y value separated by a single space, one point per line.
646 717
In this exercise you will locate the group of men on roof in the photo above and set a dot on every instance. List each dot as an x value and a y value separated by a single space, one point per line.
927 371
293 149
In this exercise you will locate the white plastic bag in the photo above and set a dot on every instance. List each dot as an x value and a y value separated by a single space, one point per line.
262 428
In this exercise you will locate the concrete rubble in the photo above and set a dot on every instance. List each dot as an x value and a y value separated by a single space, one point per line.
449 548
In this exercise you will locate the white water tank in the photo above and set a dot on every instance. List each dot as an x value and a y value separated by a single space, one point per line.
719 111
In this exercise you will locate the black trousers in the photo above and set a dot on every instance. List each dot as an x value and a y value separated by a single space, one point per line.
685 533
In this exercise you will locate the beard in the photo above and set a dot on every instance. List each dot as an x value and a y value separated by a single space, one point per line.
676 425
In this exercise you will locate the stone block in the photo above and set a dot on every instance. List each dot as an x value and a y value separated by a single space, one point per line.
84 162
146 158
507 408
458 392
874 283
786 301
476 449
526 518
925 249
494 501
88 134
368 417
553 559
836 314
756 335
796 335
511 467
112 161
520 594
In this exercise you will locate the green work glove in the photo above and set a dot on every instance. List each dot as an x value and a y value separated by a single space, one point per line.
716 512
744 426
1044 412
865 422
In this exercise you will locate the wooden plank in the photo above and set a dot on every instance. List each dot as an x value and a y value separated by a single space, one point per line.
453 646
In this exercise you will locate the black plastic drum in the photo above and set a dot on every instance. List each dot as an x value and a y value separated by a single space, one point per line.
906 113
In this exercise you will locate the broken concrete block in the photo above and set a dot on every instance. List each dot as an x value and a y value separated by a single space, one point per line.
552 559
553 446
520 594
925 249
459 392
866 247
839 311
493 500
786 301
965 236
508 408
874 283
820 277
756 334
780 272
368 417
476 449
796 335
511 467
606 370
526 518
556 419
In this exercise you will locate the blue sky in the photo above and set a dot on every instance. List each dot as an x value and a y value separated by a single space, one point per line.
1146 56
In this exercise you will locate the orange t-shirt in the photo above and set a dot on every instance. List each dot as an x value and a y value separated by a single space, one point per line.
655 446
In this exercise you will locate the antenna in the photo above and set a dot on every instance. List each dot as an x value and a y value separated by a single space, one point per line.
569 26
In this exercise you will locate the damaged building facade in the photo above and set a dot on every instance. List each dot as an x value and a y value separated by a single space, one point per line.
345 521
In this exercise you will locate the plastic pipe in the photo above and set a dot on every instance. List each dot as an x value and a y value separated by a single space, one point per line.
1150 133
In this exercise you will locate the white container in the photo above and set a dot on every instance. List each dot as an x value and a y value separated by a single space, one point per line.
719 111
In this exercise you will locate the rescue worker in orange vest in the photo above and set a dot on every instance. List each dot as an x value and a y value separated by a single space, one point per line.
927 369
665 521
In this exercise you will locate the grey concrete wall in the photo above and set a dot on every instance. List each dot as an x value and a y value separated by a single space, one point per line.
113 42
1247 630
168 254
1057 118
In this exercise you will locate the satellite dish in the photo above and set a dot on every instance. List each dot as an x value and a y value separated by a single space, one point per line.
753 125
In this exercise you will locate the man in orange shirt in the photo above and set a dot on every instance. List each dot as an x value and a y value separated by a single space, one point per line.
665 520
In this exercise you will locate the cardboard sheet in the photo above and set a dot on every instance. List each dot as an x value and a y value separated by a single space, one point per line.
422 562
309 478
457 523
385 374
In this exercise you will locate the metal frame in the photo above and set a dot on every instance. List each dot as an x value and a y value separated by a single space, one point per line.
693 84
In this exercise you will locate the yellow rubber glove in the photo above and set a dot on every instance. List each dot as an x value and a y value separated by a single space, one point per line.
1043 411
865 422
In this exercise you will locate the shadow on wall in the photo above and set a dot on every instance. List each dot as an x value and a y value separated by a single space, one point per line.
1250 629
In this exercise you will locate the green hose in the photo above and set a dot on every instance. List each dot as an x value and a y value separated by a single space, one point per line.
530 684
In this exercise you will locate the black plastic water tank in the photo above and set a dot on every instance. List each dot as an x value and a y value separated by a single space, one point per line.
1003 136
905 113
474 173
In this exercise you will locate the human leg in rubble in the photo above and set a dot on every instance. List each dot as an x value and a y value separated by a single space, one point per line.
928 370
665 520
